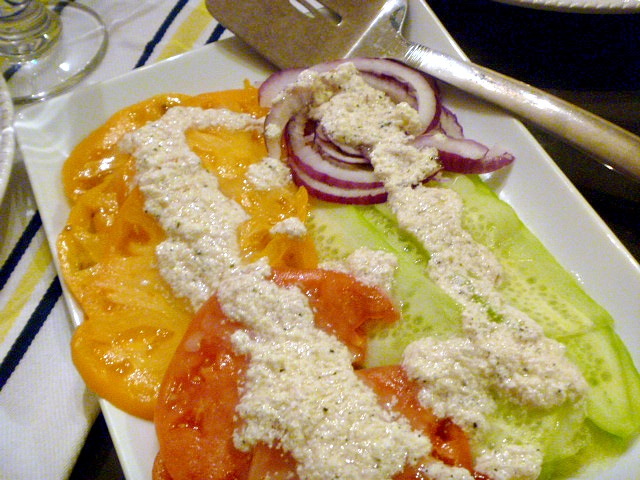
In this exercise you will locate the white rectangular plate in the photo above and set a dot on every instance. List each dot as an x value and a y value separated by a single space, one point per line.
545 200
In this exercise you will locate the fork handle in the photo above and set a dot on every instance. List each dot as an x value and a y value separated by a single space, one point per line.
609 143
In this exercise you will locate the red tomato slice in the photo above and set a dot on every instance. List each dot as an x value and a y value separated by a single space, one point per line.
272 463
398 393
342 305
195 413
195 416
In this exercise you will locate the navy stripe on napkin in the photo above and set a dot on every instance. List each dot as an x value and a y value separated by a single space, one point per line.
29 332
216 34
151 45
18 250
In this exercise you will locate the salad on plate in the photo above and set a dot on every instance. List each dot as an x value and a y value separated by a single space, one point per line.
311 279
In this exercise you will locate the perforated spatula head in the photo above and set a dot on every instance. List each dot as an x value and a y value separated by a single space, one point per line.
299 33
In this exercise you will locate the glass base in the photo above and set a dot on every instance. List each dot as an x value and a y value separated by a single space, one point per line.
79 49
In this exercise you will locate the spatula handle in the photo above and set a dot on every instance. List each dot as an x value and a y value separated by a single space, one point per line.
612 145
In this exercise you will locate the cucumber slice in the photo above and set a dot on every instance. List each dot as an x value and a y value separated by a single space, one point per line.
561 432
538 285
339 230
534 281
614 398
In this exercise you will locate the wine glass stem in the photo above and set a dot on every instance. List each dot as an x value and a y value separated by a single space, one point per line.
27 29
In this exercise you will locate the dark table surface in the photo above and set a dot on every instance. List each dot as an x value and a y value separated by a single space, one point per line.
591 60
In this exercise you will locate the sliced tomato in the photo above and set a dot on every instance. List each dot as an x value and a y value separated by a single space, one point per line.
342 305
159 471
196 405
195 413
272 463
195 417
398 393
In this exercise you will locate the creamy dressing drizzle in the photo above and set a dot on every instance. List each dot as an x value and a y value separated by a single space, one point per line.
503 352
301 391
200 222
371 267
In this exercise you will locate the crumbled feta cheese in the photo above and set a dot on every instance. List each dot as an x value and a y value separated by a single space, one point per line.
291 226
199 221
269 173
440 471
301 391
509 462
375 268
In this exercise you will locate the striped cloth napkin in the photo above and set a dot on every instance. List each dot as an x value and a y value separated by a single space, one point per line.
45 409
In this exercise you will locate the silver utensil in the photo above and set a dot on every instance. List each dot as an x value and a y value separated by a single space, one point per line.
299 33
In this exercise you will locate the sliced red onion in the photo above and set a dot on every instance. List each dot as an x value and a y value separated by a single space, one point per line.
341 173
398 92
331 193
462 155
275 84
400 81
304 154
329 149
448 123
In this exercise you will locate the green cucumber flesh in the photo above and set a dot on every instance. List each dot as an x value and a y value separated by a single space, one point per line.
339 230
538 285
533 282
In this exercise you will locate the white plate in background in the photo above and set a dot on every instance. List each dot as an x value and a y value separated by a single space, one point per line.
543 197
580 6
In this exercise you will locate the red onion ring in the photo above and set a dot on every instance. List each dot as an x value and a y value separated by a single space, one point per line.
448 123
330 193
329 149
462 155
304 155
342 173
395 78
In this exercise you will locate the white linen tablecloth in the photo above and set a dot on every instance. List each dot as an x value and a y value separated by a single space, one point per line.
45 409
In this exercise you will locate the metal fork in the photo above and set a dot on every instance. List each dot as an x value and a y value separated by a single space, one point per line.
299 33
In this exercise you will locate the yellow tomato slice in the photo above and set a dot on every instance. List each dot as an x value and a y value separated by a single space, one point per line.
133 323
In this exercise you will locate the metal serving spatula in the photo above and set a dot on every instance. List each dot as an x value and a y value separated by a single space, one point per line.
299 33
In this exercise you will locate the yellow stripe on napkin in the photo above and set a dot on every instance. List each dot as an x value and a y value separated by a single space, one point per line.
39 265
188 32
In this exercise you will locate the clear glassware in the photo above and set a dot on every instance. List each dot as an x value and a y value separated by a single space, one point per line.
45 51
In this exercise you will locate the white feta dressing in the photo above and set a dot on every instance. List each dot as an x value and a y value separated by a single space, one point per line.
200 222
521 362
375 268
269 173
440 471
301 391
452 375
511 461
358 114
291 226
